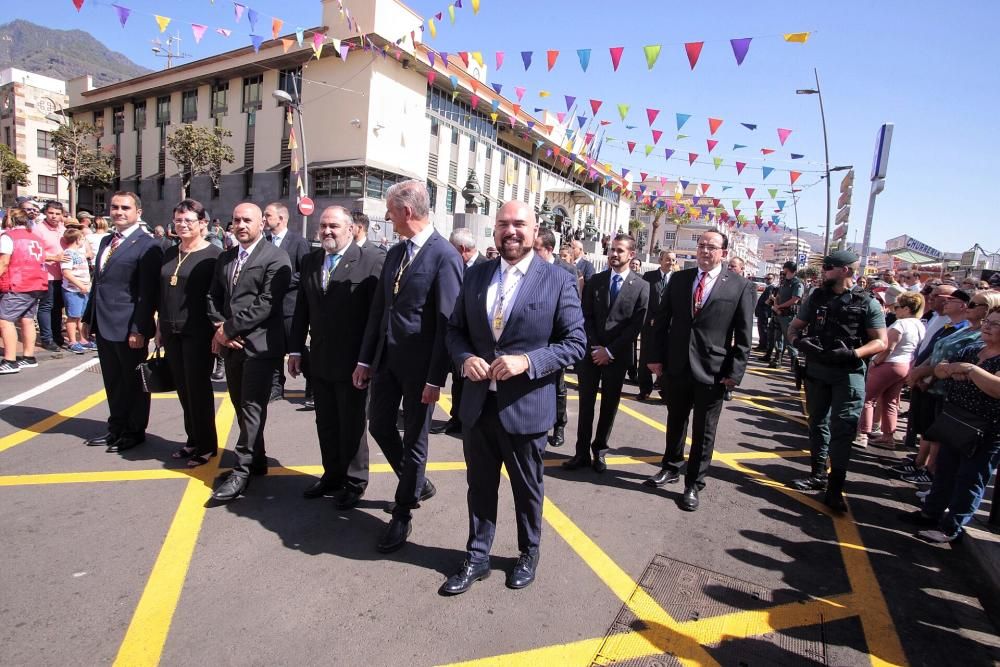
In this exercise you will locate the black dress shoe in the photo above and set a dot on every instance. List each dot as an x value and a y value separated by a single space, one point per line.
577 461
309 404
524 571
102 440
599 464
664 476
124 443
349 499
462 580
231 488
258 468
642 396
448 427
558 437
689 501
426 493
395 536
319 489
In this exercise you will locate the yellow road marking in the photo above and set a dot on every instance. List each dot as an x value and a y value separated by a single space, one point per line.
574 653
147 633
50 422
767 408
87 477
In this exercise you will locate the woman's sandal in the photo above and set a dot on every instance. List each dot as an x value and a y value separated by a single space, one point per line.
185 452
200 459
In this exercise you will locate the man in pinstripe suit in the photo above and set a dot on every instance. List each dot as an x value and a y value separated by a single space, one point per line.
517 322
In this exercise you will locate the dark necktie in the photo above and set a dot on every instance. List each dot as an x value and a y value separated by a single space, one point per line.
699 292
403 264
616 286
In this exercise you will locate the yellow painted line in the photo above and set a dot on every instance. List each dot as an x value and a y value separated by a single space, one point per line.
575 653
780 413
50 422
758 456
147 632
89 477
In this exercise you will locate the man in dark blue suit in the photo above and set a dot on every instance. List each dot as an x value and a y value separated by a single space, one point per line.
120 311
517 323
403 353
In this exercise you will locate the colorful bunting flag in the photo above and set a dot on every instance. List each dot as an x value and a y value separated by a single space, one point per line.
767 171
584 56
651 115
595 105
749 192
739 167
749 126
78 4
519 92
717 161
431 75
766 151
451 14
224 32
649 149
276 24
623 110
257 40
499 58
692 157
552 56
714 124
631 146
464 55
162 22
794 176
252 18
668 152
740 48
123 13
570 100
773 192
799 37
300 35
738 146
652 53
693 50
616 56
783 135
433 28
656 136
681 136
286 44
781 204
681 119
796 156
475 6
198 30
526 59
238 10
712 143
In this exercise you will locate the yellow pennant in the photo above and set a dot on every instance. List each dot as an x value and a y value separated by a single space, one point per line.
799 37
494 116
475 6
478 57
451 13
292 144
162 21
432 27
543 93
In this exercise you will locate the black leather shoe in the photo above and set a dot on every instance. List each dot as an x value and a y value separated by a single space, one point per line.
349 499
426 493
577 461
102 440
558 437
124 443
319 489
664 476
689 501
814 483
599 464
462 580
219 371
524 571
258 468
231 488
450 427
395 536
642 396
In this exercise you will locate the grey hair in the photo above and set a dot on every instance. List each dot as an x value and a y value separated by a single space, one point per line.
463 237
412 194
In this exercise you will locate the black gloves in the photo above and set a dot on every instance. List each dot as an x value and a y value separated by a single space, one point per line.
840 355
808 345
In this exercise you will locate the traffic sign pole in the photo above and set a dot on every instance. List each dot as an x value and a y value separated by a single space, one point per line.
879 168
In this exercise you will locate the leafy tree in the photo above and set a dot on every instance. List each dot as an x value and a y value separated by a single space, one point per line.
11 169
78 160
199 150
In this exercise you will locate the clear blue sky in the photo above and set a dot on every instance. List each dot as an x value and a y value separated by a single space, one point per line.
925 68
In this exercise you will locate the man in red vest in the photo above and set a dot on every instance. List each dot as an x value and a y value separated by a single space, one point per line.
22 278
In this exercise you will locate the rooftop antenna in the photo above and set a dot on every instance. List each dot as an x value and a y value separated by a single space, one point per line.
170 49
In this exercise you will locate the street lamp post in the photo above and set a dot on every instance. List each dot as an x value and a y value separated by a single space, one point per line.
826 154
296 104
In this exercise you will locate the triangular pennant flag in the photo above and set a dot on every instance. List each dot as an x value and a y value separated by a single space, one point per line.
684 185
783 135
656 136
713 125
431 57
561 116
78 4
526 58
516 108
570 101
739 167
715 202
631 146
717 161
475 6
162 21
198 30
749 192
123 13
767 171
799 37
292 144
431 75
738 146
494 116
740 48
543 93
668 152
224 32
454 81
652 53
772 192
439 16
758 203
595 105
681 119
478 57
257 40
616 56
584 56
642 176
623 110
681 136
495 104
704 188
286 44
499 58
781 204
475 101
588 138
649 149
451 13
796 156
693 50
464 55
238 10
625 173
712 143
497 87
582 120
519 92
433 28
766 151
726 187
276 24
736 203
651 115
300 35
344 48
692 157
749 126
252 18
552 56
794 176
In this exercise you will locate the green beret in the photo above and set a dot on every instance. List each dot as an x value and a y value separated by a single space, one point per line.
840 258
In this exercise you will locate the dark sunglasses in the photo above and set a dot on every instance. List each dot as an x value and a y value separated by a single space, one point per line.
831 267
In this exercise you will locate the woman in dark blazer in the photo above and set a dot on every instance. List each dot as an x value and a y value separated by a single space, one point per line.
185 330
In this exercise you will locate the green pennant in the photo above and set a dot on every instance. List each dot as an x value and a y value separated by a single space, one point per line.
649 149
773 192
736 203
652 53
682 136
623 110
717 161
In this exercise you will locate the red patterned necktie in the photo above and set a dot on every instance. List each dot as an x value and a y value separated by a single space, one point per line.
699 292
116 241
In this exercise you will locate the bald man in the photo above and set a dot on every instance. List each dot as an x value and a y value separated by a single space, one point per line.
245 305
583 264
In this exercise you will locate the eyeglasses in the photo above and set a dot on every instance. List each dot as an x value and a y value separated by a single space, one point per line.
989 324
831 267
185 221
973 304
708 247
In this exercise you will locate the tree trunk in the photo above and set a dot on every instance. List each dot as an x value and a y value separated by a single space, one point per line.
655 228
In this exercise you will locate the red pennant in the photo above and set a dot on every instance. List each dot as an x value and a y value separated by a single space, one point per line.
692 157
516 108
758 203
631 146
712 143
78 4
616 56
739 167
552 56
704 189
749 192
595 105
464 55
656 136
651 114
642 176
713 125
715 203
766 151
794 176
590 137
693 50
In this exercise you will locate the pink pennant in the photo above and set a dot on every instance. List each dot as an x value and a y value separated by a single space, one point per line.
749 192
651 114
198 30
739 167
519 91
693 50
631 146
758 203
499 60
431 75
561 116
692 157
656 136
616 56
642 176
714 124
225 32
595 105
783 135
712 143
238 10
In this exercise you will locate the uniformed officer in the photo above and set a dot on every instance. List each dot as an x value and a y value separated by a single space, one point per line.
837 328
786 304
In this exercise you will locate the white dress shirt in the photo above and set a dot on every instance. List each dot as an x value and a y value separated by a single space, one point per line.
512 285
710 280
125 234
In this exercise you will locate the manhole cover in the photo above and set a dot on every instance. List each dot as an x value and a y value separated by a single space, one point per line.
690 593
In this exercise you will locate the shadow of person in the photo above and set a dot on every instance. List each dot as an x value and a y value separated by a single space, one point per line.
36 420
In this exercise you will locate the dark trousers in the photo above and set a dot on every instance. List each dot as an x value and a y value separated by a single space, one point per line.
763 321
684 395
50 310
249 380
340 427
487 446
608 380
278 383
128 404
456 392
645 376
191 363
561 394
407 454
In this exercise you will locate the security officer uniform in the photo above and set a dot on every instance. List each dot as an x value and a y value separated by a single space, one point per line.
836 325
787 288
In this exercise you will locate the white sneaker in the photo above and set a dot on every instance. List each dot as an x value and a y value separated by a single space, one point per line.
9 367
861 441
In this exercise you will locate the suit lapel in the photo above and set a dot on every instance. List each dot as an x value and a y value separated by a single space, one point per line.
418 260
483 289
123 247
351 255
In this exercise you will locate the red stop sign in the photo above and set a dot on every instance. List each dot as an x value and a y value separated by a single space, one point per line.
306 206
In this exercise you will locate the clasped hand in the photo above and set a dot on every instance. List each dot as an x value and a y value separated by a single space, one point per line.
503 367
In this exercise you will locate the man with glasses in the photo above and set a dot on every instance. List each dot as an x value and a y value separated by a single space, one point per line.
837 329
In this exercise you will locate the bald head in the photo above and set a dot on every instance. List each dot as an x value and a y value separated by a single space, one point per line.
577 249
248 223
514 231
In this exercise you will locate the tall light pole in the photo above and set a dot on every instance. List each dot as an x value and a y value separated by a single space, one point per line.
296 104
826 154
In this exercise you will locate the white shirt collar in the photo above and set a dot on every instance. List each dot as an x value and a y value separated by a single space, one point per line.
131 230
712 274
339 252
551 259
252 246
623 274
472 260
522 265
420 238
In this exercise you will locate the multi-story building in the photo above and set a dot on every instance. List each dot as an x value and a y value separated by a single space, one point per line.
26 102
392 110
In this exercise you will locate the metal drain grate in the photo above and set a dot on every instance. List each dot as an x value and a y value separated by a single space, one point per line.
690 593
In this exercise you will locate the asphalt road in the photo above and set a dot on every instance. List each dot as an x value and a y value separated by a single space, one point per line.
121 558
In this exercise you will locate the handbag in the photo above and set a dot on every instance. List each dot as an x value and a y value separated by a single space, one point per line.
959 428
155 375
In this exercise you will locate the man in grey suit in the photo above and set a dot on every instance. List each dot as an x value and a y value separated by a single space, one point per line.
587 269
245 304
516 324
658 280
702 343
614 309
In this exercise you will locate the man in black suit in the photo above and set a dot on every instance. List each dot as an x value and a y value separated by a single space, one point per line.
587 269
403 353
120 311
465 243
335 295
614 309
361 225
658 280
245 304
278 234
763 313
702 343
